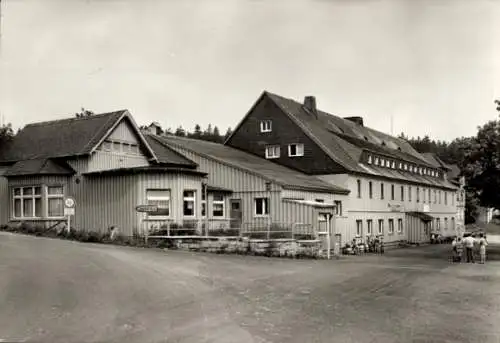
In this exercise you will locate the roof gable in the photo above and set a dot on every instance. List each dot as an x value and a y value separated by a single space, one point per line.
66 137
39 167
166 155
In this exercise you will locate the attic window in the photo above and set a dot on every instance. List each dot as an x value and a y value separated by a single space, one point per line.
273 151
400 165
295 150
399 148
376 161
393 165
266 126
382 162
366 138
383 143
369 159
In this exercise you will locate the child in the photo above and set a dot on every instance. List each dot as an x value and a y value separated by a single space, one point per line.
482 248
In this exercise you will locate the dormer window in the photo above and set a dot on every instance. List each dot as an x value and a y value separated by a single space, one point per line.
393 165
406 166
272 151
382 162
296 149
369 159
266 126
376 161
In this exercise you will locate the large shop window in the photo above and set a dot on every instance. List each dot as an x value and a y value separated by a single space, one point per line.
28 202
161 199
218 205
55 201
189 203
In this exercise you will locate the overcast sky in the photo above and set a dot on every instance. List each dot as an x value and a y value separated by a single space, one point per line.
432 65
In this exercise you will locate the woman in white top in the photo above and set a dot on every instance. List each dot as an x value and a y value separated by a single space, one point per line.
482 248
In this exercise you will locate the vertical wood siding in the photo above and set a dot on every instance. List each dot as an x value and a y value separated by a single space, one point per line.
105 201
124 132
4 197
104 160
176 183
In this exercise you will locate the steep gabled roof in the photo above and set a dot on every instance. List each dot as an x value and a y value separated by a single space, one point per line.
167 156
250 163
39 167
435 160
66 137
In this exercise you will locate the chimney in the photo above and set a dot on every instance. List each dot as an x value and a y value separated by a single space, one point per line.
310 104
356 120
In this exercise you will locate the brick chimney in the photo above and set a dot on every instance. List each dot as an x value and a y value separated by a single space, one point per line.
356 120
310 105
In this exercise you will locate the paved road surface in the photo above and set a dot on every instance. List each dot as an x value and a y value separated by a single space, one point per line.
60 291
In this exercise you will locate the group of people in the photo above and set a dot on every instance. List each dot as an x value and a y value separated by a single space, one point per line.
472 246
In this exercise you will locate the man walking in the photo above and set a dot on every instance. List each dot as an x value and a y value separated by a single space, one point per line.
469 246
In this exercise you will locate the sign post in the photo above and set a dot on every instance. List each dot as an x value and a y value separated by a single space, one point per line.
69 210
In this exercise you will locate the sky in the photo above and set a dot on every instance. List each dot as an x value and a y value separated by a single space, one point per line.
432 66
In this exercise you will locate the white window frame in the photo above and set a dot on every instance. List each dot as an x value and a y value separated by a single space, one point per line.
23 197
55 196
369 227
192 199
299 149
264 209
359 228
338 208
369 159
380 226
219 202
266 125
166 197
391 227
400 225
275 149
376 161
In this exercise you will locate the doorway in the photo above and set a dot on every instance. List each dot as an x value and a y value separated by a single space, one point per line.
236 214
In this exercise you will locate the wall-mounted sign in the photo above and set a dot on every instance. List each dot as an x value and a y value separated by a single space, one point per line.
69 202
69 211
146 208
395 207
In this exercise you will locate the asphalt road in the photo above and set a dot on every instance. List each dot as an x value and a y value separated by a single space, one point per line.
61 291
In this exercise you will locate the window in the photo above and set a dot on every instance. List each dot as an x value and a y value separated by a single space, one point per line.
392 192
391 226
295 150
418 194
106 146
261 206
27 202
438 224
189 203
435 197
439 196
402 193
55 201
409 193
446 198
446 223
369 159
161 199
117 146
382 190
400 165
453 223
380 226
376 161
266 126
338 207
359 228
359 188
429 195
423 194
370 189
382 162
369 227
273 151
393 165
452 200
218 205
400 225
203 203
406 166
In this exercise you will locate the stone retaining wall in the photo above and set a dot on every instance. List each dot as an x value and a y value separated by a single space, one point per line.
274 247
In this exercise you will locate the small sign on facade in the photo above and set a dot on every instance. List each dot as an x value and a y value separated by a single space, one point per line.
69 202
147 208
69 211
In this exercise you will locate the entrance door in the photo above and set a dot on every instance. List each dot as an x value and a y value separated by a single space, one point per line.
236 214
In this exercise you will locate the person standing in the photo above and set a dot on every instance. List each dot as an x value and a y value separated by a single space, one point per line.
482 248
469 247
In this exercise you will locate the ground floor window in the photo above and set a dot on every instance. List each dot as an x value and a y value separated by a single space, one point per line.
391 226
446 223
338 207
359 227
161 199
453 223
27 202
369 227
438 224
218 205
380 226
189 203
55 201
203 203
261 206
400 225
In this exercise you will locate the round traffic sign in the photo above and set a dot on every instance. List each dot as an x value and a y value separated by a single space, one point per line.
69 202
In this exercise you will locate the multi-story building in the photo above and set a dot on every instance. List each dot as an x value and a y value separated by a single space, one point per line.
394 190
